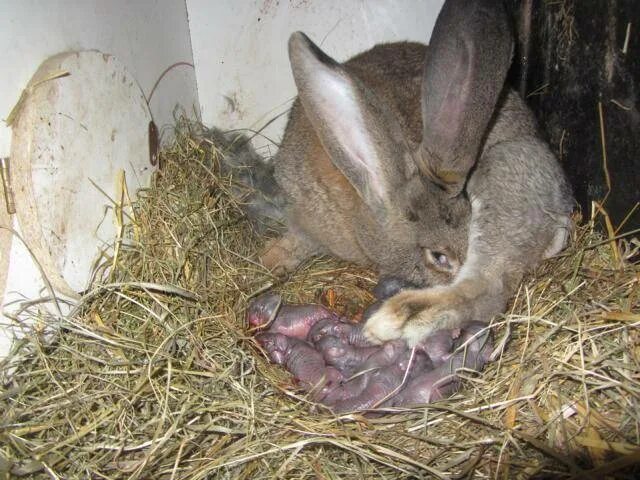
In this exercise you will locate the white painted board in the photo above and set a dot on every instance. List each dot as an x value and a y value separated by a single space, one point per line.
147 36
240 49
83 122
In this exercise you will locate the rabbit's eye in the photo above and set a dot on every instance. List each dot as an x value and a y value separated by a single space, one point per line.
439 260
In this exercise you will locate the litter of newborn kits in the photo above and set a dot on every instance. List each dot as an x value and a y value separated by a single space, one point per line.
331 358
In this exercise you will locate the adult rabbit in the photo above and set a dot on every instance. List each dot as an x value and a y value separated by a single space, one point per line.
419 162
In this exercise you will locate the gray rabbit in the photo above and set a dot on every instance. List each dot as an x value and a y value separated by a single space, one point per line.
419 162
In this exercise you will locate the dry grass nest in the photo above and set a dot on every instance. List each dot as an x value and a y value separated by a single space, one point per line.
153 375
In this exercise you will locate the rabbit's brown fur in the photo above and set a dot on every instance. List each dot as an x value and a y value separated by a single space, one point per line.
328 215
375 176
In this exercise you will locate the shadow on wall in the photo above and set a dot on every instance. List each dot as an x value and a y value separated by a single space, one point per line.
578 65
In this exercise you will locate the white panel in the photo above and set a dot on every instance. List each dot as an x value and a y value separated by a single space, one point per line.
240 48
66 157
147 36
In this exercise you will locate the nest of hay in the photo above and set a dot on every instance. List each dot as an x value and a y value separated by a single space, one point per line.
153 375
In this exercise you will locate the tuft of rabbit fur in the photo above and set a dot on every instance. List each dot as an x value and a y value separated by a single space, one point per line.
419 162
254 185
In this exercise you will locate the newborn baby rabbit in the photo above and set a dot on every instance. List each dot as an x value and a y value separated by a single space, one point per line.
419 162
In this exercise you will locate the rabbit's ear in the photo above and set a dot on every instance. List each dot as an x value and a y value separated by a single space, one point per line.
354 129
464 73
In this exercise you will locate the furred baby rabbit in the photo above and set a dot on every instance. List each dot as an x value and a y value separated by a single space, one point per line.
419 162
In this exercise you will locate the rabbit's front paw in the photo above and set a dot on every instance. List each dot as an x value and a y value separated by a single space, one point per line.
414 314
283 255
277 257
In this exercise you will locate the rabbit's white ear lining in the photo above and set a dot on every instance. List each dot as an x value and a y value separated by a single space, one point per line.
335 105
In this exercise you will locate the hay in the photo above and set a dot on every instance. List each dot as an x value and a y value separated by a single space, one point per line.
153 376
